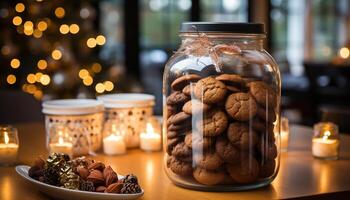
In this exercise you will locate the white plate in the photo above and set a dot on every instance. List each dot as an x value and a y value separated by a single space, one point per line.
63 193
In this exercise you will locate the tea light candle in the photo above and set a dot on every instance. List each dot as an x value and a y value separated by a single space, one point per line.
8 151
150 141
114 145
61 147
325 147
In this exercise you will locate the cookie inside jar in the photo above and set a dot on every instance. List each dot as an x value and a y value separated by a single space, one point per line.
221 113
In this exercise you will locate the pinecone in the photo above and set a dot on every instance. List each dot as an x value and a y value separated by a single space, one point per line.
87 186
130 178
57 160
50 176
130 188
68 179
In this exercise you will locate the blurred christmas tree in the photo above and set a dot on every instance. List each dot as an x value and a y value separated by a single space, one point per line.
51 48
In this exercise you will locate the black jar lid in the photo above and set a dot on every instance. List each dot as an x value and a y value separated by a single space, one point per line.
224 27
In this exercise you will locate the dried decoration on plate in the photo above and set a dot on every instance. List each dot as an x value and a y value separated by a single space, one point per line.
82 174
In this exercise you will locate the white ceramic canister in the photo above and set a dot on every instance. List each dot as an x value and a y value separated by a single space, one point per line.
82 118
131 109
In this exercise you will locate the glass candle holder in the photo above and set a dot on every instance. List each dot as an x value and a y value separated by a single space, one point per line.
114 138
325 141
8 145
60 140
284 134
150 137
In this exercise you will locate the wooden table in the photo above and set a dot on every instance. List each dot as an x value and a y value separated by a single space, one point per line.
300 175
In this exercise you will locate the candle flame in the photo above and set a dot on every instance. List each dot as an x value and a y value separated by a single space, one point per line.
326 135
60 140
6 138
149 128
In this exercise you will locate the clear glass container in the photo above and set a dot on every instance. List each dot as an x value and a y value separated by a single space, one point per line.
221 108
326 141
9 144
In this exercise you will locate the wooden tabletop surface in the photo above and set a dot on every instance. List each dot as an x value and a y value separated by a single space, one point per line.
300 175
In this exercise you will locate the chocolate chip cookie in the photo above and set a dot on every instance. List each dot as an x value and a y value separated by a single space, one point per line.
246 171
263 94
227 151
179 167
241 106
181 150
208 160
195 107
231 79
171 143
213 124
266 114
179 83
178 118
267 168
241 136
188 89
177 98
208 177
209 90
196 141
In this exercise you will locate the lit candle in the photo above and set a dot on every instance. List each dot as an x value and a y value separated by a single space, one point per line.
325 147
114 144
150 141
61 146
284 140
8 151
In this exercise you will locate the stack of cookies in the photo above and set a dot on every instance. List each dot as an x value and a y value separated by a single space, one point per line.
220 129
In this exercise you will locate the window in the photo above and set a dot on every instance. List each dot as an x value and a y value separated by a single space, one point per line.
224 10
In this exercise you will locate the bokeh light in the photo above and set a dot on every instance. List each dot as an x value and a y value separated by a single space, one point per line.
100 40
37 33
91 42
100 88
42 64
31 78
64 29
38 76
60 12
11 79
17 20
74 28
20 7
42 25
15 63
96 67
88 81
109 86
344 52
56 54
45 79
83 73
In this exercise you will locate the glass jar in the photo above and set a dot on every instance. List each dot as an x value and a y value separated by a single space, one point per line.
130 109
221 108
81 119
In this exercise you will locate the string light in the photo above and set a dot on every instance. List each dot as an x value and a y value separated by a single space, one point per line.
42 64
96 67
91 42
60 12
74 28
100 40
344 52
100 88
38 94
31 89
83 73
20 7
88 81
42 26
28 25
108 85
38 76
11 79
17 20
37 33
31 78
56 54
45 79
64 28
15 63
